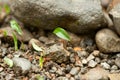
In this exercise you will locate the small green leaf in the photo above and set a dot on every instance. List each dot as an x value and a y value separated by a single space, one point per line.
8 61
7 9
5 33
16 27
41 61
60 32
15 42
37 48
0 9
38 77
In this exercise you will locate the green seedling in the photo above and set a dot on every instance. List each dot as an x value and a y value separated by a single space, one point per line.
15 42
8 61
41 61
61 33
15 26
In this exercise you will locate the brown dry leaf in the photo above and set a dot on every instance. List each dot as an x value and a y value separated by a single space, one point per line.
114 76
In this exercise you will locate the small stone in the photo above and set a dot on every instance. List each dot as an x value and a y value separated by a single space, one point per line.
90 57
96 53
84 61
57 53
117 62
97 60
114 67
83 70
59 72
92 63
72 58
111 62
72 78
1 69
77 77
74 70
118 55
95 74
54 69
105 65
62 78
68 68
82 54
22 63
68 75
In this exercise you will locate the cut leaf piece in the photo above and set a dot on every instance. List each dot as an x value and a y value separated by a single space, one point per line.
37 48
8 61
38 77
60 32
16 27
35 44
7 8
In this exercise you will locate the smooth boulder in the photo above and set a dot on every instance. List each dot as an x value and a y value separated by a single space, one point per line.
115 12
107 41
78 16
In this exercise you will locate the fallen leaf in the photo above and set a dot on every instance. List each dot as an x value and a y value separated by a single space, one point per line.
35 44
8 61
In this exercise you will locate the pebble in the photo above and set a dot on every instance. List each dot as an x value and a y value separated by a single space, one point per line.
68 75
118 55
105 65
92 63
97 60
72 58
23 63
68 68
82 54
54 69
96 53
84 61
117 62
114 67
59 72
83 70
90 57
62 78
72 78
74 70
1 69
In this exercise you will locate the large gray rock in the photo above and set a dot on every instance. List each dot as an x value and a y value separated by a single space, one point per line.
79 16
107 41
115 12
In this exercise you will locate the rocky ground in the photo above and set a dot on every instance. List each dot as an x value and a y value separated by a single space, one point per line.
78 59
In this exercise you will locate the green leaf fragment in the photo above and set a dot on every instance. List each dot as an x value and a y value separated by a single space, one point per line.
41 61
7 9
60 32
16 27
38 77
15 42
36 47
5 33
8 61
